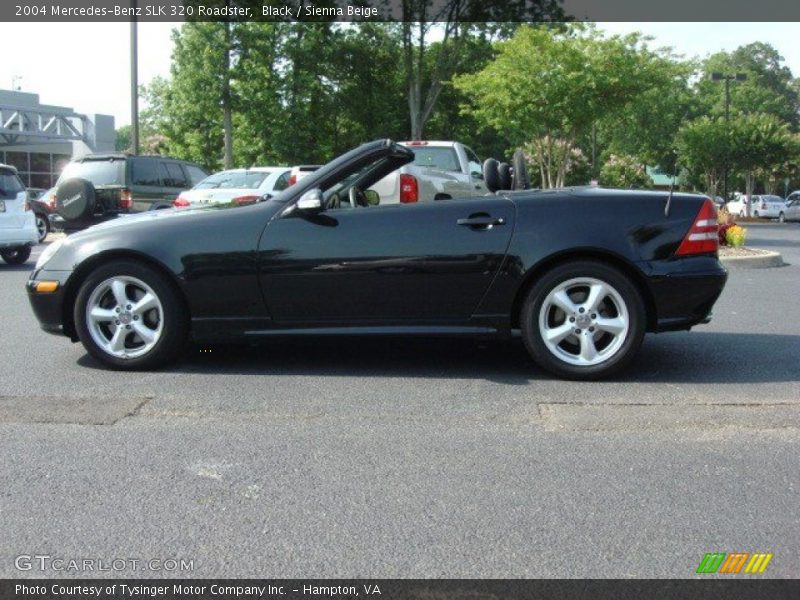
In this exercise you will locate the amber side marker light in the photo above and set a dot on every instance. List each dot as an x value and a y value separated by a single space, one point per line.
46 287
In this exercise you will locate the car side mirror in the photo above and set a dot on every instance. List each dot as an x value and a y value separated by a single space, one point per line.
373 198
477 175
311 201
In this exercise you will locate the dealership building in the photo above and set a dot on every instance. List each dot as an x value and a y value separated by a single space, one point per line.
39 139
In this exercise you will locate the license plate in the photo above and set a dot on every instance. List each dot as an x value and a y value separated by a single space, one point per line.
2 206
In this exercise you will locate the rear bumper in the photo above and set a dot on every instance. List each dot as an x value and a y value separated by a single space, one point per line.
27 235
684 291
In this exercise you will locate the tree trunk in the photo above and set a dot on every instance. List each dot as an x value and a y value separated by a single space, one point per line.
227 116
749 184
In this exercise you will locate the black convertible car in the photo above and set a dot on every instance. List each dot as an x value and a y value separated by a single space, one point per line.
580 273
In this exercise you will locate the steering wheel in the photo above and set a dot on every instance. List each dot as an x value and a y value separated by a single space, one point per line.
357 197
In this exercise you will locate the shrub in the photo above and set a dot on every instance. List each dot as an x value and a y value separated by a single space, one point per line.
722 232
735 236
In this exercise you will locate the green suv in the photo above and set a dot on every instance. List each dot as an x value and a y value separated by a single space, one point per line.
99 187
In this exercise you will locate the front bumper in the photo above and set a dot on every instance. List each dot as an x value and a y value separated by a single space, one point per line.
684 291
49 307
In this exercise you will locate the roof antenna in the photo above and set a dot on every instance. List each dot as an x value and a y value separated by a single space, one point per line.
671 189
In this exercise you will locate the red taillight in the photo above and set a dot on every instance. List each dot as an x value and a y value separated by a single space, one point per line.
409 191
702 237
416 143
181 202
240 200
292 178
125 201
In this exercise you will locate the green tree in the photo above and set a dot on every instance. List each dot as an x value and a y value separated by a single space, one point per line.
770 87
758 142
547 87
702 147
122 141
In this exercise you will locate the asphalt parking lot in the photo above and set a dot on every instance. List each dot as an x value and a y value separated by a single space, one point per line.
411 458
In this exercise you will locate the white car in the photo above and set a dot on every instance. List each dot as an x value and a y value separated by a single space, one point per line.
17 223
792 212
237 186
763 205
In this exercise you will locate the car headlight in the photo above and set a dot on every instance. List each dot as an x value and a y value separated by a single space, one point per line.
48 253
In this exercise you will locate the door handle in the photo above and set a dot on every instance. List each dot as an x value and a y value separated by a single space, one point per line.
482 222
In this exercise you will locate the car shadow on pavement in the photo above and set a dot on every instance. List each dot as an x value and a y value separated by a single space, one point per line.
682 357
28 266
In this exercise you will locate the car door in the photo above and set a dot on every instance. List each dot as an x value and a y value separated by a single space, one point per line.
174 180
424 263
793 207
146 183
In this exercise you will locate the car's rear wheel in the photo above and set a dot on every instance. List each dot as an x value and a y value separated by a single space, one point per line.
583 320
42 226
16 256
130 316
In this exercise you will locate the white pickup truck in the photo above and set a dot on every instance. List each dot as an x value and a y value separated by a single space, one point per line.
440 170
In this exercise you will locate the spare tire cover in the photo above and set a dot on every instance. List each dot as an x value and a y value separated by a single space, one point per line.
520 180
75 199
490 175
504 173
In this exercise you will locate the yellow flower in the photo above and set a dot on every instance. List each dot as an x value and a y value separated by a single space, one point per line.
735 236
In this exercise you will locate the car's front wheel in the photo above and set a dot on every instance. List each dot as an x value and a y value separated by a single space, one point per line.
583 320
130 316
16 256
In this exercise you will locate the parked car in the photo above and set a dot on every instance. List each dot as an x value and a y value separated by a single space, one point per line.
298 172
238 186
42 209
17 223
440 170
319 259
767 206
792 211
100 187
761 205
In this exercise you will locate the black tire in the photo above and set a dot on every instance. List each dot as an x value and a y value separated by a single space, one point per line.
520 179
175 326
16 256
42 226
75 199
490 175
629 343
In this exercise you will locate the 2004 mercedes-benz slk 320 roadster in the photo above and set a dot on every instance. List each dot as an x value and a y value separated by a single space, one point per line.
580 273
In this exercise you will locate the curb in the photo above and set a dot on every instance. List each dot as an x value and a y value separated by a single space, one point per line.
760 261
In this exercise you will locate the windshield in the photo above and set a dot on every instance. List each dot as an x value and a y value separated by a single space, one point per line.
249 180
10 185
99 172
438 158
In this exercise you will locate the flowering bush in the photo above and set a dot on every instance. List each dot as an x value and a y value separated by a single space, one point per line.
624 171
722 233
735 235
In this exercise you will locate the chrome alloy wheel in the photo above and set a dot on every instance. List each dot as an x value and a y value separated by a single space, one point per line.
41 227
584 321
124 317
